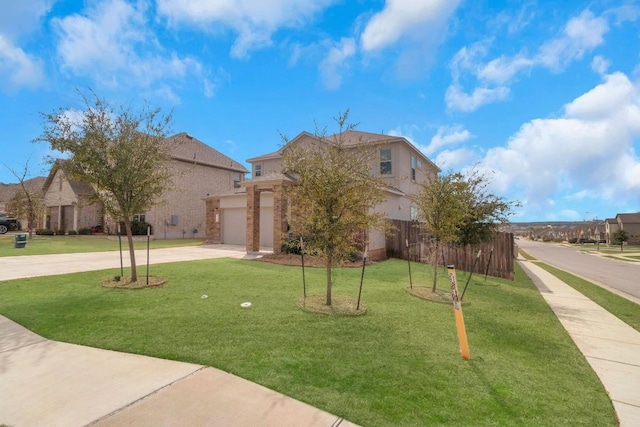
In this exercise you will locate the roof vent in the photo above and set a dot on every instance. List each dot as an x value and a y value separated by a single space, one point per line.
188 136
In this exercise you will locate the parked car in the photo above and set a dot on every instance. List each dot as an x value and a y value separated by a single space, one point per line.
585 240
96 229
9 224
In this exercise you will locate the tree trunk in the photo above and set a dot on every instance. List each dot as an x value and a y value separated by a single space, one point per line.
132 253
329 266
435 268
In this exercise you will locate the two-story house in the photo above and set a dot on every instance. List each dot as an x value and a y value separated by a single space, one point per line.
630 222
198 171
255 215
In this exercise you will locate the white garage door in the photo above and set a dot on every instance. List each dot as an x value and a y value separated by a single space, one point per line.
234 226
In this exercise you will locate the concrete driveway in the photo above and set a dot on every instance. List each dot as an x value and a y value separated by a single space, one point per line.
20 267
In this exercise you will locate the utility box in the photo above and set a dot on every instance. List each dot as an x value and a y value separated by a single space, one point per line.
21 240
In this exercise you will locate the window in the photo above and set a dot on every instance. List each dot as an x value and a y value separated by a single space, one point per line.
385 161
419 164
257 171
414 213
237 178
413 168
139 218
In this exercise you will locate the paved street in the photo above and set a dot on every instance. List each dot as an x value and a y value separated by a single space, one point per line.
620 275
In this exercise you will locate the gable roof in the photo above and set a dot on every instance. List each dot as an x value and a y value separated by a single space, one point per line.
186 148
79 187
351 138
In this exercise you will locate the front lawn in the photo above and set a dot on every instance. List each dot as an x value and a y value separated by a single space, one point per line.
398 365
45 245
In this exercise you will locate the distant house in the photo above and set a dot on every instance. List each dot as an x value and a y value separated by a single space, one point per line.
610 227
199 171
68 204
8 191
630 222
255 215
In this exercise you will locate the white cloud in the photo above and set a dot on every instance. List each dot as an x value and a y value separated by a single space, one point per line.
588 151
600 65
17 68
254 21
458 100
335 63
110 44
455 159
447 135
22 17
405 18
581 35
502 70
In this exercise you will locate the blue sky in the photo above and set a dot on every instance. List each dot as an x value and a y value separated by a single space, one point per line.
543 95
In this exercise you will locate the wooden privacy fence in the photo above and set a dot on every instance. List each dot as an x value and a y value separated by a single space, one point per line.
496 257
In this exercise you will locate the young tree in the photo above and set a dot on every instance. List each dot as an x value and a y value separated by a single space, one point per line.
334 194
486 211
121 153
28 201
444 206
459 209
619 237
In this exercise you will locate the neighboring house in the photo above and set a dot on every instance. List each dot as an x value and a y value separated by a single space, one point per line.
630 222
199 171
67 203
255 215
610 227
8 191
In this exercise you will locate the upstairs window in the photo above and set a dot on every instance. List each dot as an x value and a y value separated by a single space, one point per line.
237 179
139 218
385 161
413 168
257 171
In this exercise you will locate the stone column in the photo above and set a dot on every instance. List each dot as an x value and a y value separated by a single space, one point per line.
279 218
214 217
253 219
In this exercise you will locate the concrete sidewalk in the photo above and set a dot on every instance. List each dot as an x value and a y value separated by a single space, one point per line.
48 383
611 347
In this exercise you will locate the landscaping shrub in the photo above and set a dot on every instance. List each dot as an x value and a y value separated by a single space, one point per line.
44 232
138 228
573 240
84 231
72 233
60 232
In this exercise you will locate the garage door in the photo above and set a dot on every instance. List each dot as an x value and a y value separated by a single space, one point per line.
234 226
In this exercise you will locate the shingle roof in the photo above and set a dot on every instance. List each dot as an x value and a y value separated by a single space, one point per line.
190 149
7 191
629 218
351 138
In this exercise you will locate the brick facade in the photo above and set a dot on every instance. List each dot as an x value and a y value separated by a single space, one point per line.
253 219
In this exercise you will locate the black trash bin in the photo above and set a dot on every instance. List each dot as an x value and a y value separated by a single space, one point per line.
21 240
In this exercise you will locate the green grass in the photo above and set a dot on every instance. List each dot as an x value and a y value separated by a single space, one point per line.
397 365
45 245
622 308
525 255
